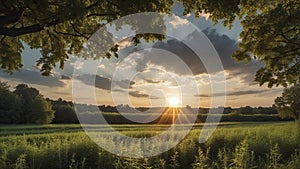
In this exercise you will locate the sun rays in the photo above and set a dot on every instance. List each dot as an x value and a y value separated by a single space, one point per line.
176 115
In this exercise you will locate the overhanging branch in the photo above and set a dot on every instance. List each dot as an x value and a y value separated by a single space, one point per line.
28 29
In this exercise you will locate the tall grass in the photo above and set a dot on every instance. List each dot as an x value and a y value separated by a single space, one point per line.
231 146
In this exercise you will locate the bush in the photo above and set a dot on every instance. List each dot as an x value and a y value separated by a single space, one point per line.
40 111
10 107
65 114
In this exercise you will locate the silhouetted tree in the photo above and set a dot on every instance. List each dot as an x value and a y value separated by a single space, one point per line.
40 111
10 105
4 86
65 114
28 94
288 104
35 109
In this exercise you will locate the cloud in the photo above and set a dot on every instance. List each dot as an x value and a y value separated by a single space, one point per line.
65 77
246 92
97 81
180 59
203 14
177 21
104 83
125 84
33 77
77 65
154 81
101 66
119 90
124 43
154 97
182 54
138 94
202 95
177 57
236 93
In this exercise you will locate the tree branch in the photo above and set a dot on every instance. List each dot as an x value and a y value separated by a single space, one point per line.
104 14
73 26
29 29
12 17
71 34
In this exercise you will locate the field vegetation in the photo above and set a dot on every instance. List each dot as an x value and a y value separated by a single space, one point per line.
233 145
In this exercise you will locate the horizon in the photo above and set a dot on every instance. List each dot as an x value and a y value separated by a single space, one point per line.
149 84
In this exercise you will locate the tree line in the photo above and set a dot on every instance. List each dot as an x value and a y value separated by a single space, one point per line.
26 105
270 34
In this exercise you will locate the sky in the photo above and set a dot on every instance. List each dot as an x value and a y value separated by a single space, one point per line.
158 73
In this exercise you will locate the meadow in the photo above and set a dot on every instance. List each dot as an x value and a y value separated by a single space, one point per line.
233 145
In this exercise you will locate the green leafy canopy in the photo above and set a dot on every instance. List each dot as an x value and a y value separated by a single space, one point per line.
58 28
287 105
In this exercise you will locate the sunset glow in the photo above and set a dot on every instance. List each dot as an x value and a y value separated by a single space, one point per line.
173 101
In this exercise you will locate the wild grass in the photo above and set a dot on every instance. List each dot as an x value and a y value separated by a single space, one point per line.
233 145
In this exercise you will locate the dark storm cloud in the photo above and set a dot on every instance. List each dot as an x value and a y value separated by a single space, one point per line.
237 93
33 77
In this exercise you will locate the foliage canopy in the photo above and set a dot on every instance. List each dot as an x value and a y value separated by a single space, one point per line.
23 105
270 30
287 105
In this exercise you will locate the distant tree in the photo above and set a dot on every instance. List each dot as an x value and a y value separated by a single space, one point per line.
288 104
246 110
189 109
236 112
10 105
35 109
40 111
60 102
265 110
28 94
259 110
65 114
227 110
4 85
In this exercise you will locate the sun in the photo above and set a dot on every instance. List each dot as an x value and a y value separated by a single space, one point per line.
173 101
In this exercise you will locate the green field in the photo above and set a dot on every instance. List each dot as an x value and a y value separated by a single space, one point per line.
233 145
